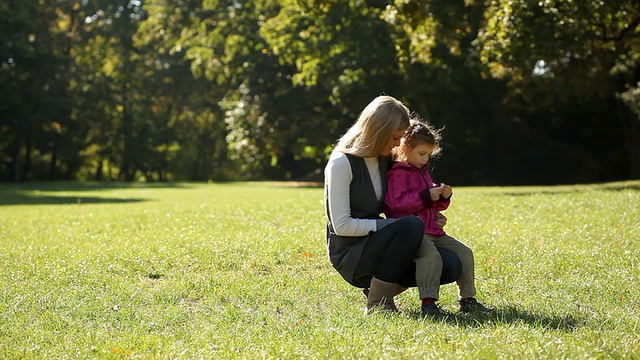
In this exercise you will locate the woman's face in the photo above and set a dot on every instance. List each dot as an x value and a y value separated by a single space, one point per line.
393 142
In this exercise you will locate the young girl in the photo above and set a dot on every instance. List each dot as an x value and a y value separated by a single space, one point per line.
412 192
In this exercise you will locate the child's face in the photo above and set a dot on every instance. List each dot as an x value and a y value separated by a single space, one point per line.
419 155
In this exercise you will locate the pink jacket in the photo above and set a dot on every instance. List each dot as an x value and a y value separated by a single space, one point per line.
408 194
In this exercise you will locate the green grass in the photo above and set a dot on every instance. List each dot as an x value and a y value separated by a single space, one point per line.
188 271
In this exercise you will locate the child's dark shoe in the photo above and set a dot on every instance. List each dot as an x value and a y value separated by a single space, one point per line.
432 310
471 305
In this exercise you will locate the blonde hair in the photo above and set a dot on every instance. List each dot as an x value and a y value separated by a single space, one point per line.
376 125
419 133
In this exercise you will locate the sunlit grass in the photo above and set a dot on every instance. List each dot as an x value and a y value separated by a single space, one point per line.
240 271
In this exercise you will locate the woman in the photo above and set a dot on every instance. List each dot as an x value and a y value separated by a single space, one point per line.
367 250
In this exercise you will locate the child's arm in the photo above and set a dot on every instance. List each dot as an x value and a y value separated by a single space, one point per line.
441 220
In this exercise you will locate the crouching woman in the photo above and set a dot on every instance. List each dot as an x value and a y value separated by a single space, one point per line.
367 250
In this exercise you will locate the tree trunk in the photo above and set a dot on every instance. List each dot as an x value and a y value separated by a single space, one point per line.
54 158
27 159
632 134
17 164
634 150
196 164
99 170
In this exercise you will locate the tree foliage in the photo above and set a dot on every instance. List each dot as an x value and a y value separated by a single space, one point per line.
526 91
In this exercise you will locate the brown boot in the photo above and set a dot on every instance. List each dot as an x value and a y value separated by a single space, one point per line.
399 290
381 296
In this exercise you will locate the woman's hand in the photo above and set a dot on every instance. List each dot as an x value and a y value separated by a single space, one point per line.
441 220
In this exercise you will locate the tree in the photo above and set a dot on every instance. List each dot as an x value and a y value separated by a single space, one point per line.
575 53
229 89
36 66
339 55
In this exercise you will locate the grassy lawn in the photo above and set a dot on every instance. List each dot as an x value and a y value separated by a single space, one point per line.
184 271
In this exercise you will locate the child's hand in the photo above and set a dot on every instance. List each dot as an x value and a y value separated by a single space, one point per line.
447 191
441 220
435 193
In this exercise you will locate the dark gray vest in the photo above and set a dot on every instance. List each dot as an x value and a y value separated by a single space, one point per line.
345 251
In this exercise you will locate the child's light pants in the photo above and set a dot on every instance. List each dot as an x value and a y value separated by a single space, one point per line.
429 266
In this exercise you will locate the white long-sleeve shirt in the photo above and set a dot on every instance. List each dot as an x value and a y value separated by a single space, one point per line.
338 176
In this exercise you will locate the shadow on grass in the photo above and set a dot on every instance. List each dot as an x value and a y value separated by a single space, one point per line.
510 315
28 199
611 187
30 193
53 186
284 184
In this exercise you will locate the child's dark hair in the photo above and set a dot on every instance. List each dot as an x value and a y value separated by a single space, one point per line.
419 132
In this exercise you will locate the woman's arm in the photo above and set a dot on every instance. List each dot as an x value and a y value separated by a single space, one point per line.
337 178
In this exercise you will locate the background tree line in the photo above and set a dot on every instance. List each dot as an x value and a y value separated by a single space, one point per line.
528 92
